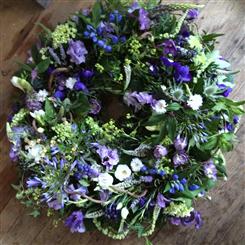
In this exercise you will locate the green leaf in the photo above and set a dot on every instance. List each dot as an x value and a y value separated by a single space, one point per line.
155 119
173 107
35 213
24 66
84 182
147 241
210 144
43 66
96 13
50 113
171 127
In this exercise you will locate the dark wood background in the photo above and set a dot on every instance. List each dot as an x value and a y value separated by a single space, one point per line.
224 218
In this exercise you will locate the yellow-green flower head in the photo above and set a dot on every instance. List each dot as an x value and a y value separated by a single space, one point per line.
178 209
63 33
194 42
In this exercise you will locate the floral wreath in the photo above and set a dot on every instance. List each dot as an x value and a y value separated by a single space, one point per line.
124 119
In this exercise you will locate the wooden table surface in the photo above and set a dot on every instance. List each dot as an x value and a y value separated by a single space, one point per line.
224 217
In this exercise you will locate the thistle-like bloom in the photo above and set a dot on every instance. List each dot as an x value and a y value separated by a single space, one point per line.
77 52
144 20
180 143
160 151
75 222
210 170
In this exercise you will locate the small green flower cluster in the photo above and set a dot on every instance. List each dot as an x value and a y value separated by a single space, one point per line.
93 126
111 131
63 33
178 209
135 45
19 117
63 131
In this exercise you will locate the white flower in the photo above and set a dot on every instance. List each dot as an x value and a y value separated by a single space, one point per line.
160 107
105 180
40 130
34 152
195 101
163 87
70 82
124 213
119 206
37 114
136 164
122 172
41 95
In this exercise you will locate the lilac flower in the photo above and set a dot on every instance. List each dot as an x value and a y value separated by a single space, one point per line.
162 201
133 7
180 143
160 151
75 194
14 153
169 47
144 20
138 99
95 106
192 14
33 104
104 195
77 52
75 222
35 182
210 170
108 156
146 179
181 73
194 218
180 158
87 170
55 204
34 74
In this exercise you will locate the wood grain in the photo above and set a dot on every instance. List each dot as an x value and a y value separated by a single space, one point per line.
224 216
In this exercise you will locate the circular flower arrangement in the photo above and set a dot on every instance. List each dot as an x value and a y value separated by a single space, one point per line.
124 119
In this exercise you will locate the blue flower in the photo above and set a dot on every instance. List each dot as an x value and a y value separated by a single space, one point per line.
59 94
169 47
194 187
181 73
115 16
75 222
225 90
77 52
192 14
35 182
80 86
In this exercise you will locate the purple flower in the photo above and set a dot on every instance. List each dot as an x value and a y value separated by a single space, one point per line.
77 52
55 204
35 182
167 62
59 94
80 86
236 119
33 105
226 90
144 20
193 219
154 70
95 106
181 73
87 74
229 127
111 211
108 157
75 194
180 143
169 47
180 158
194 187
115 16
133 7
146 179
192 14
104 195
75 222
14 153
160 151
138 99
162 201
34 74
210 170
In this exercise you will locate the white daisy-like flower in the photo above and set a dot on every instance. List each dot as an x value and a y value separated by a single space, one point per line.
34 152
136 164
70 82
105 180
122 172
41 95
160 107
37 114
124 213
195 101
